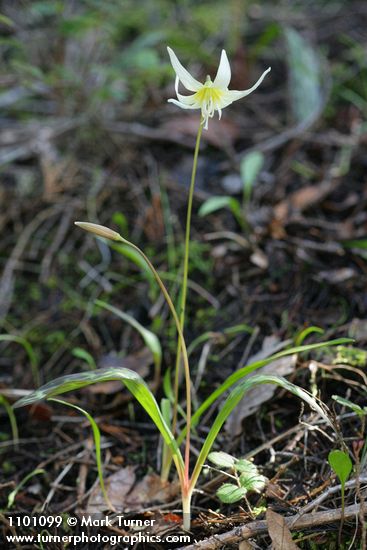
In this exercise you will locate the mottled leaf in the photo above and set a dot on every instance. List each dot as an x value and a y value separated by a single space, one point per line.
221 459
230 493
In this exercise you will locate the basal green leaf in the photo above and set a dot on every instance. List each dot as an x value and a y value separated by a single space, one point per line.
13 494
167 386
217 203
251 165
166 409
83 354
133 382
166 463
13 421
28 349
255 482
131 254
242 373
301 336
341 463
233 400
353 406
4 20
356 243
97 444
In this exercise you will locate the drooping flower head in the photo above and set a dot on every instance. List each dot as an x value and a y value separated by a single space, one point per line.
212 95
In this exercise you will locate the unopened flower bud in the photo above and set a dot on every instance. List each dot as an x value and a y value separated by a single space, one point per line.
100 230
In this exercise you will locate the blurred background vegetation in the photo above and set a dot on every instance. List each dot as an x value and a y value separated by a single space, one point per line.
86 133
279 234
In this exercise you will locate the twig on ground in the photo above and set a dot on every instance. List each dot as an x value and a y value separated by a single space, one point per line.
329 491
255 528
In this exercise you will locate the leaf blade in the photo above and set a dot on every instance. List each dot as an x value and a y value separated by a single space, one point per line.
341 464
244 371
230 493
97 444
133 382
232 401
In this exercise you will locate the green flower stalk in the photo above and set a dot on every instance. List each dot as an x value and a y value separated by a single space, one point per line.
209 97
184 280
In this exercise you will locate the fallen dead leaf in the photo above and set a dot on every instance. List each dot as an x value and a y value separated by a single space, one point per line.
118 485
150 489
126 496
260 259
336 276
245 545
304 198
153 224
358 330
279 533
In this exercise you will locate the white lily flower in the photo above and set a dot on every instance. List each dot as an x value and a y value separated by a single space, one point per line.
210 96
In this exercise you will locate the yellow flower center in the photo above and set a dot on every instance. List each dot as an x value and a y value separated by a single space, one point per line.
209 98
207 94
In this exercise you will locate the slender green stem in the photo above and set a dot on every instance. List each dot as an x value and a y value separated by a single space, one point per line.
185 274
342 516
184 356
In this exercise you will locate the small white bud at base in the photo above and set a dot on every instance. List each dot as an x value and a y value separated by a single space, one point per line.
100 230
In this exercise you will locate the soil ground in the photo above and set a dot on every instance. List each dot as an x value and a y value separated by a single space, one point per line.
297 261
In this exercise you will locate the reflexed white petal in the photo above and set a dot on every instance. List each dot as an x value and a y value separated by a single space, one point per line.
187 80
183 105
233 95
223 77
186 99
228 98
